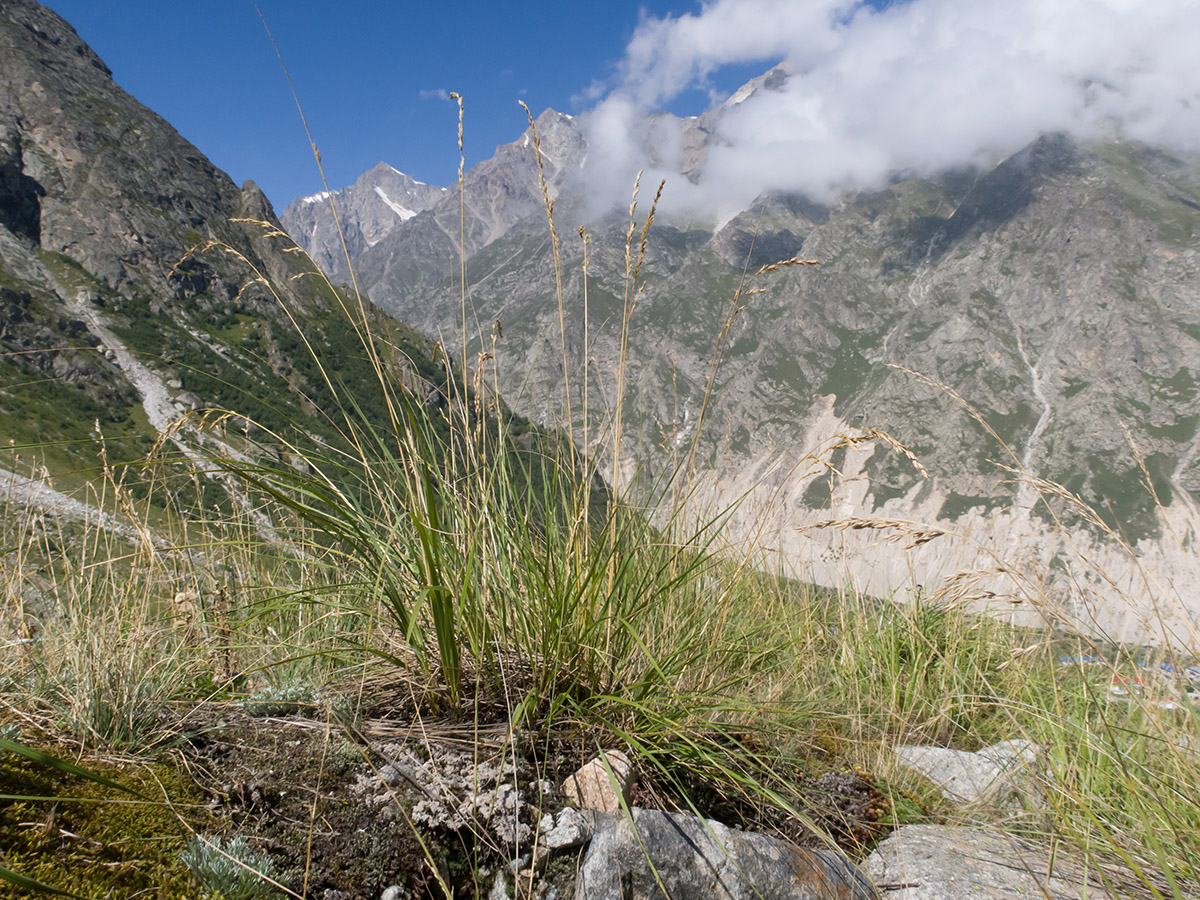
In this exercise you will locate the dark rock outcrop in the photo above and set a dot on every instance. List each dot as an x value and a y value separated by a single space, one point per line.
134 272
647 854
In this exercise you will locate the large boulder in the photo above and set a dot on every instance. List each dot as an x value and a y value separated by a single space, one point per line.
653 854
1007 775
944 862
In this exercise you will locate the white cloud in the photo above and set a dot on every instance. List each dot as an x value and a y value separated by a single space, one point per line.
919 86
435 94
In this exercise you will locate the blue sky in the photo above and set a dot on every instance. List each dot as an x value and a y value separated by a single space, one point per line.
881 85
359 69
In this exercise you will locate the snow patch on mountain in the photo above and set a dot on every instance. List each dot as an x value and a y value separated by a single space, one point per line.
402 211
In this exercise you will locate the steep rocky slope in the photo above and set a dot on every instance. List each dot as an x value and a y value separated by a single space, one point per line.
1055 291
137 282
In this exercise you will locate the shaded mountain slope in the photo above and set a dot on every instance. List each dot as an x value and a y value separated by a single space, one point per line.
137 282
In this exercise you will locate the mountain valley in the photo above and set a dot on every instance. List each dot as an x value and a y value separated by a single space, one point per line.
1029 330
575 530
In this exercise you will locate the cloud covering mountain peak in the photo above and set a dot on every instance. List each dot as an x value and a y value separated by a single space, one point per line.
917 87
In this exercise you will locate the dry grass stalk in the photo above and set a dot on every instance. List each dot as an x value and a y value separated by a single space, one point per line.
896 530
785 263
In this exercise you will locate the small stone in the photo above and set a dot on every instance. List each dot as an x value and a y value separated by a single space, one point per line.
394 892
569 828
519 863
593 787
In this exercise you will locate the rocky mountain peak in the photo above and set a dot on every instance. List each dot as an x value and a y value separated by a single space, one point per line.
88 172
772 80
382 198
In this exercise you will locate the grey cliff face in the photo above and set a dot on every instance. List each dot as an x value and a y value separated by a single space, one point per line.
1055 292
115 188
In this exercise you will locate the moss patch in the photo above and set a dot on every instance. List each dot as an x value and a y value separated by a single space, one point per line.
93 840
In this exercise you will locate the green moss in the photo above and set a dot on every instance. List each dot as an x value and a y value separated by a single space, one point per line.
93 841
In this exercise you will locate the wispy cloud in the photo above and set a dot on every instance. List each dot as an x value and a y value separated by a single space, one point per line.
918 86
435 94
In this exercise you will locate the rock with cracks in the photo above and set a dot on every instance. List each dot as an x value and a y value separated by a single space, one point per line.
652 854
1004 775
942 862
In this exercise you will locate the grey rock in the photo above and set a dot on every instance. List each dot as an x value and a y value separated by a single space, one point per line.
394 892
390 775
568 828
516 865
685 856
1004 775
940 862
558 831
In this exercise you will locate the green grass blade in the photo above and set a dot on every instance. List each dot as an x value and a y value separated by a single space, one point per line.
31 884
63 766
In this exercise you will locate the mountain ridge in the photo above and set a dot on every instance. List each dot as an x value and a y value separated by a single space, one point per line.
139 286
1054 291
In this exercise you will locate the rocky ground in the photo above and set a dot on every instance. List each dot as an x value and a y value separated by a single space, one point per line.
425 807
383 803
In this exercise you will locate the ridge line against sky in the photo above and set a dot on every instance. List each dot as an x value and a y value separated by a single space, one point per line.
373 78
873 86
